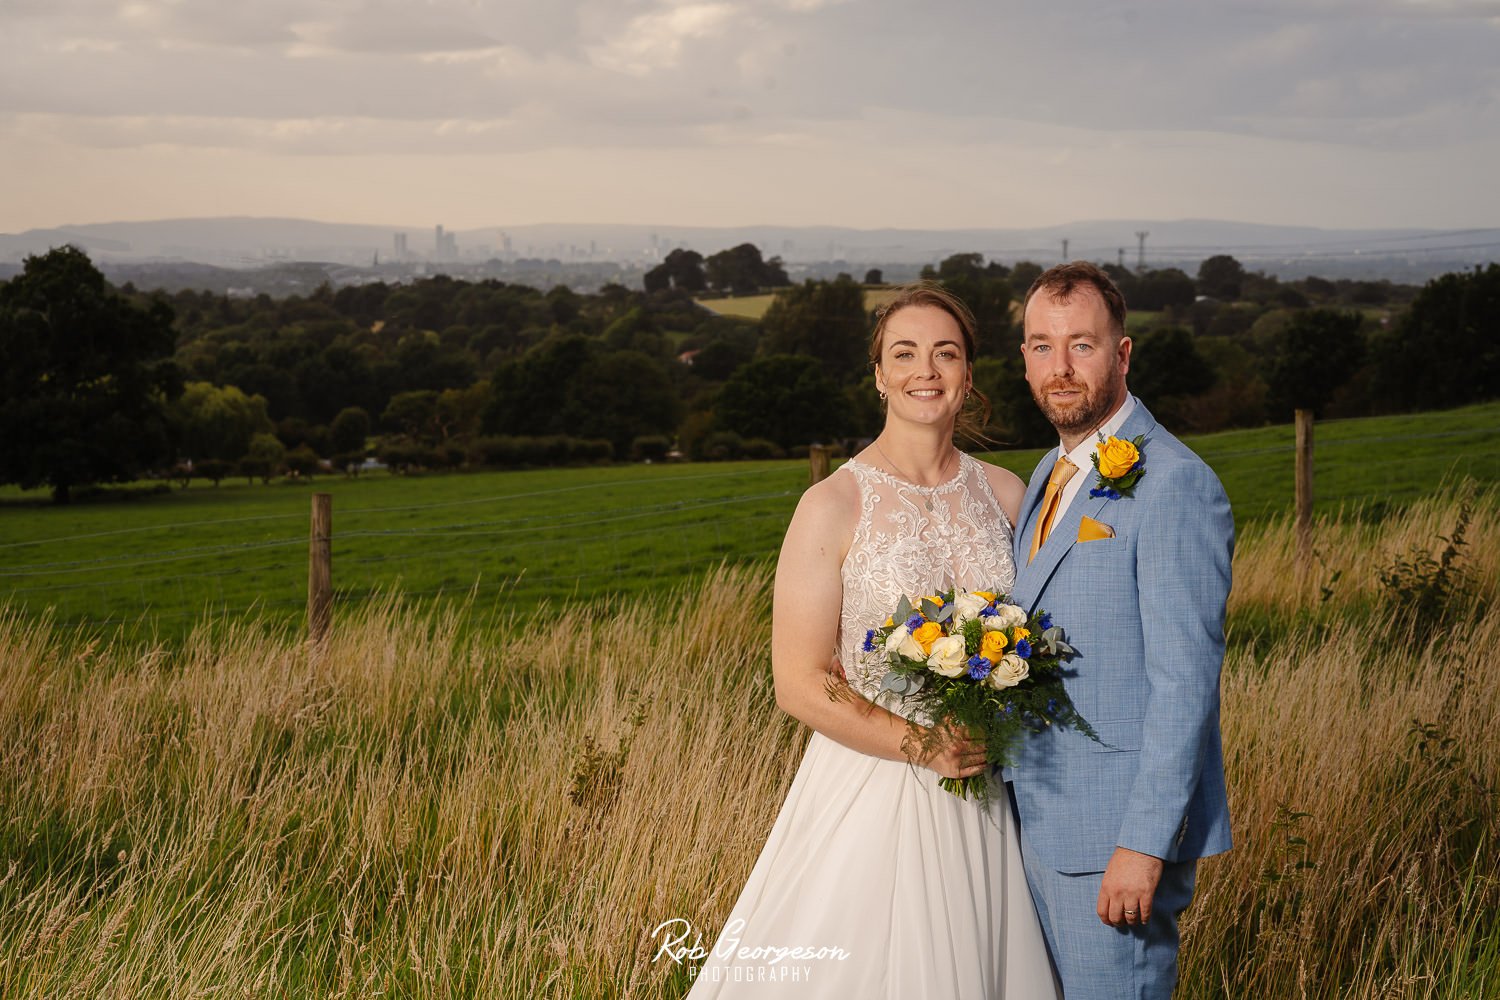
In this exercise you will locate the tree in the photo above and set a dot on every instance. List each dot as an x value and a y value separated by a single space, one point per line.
682 269
1316 353
874 276
783 398
825 320
621 396
349 431
741 271
264 457
84 377
213 422
1220 277
1161 289
1454 318
986 290
1166 369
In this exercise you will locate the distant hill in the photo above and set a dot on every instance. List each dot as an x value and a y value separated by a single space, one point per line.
1286 251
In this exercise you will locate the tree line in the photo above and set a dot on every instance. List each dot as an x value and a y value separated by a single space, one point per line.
105 384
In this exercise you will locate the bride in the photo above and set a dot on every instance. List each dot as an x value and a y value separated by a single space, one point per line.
874 881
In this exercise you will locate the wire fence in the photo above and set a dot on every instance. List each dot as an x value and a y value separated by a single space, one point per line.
593 539
586 540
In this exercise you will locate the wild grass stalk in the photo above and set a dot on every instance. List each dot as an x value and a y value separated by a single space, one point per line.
428 806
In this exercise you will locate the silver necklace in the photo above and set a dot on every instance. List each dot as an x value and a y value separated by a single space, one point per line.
925 492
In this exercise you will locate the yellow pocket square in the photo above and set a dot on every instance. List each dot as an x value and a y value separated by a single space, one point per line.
1091 530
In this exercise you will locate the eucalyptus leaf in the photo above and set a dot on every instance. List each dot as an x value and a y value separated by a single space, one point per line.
930 611
901 684
903 610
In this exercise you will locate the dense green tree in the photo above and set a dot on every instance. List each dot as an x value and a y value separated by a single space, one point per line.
349 430
825 320
1163 288
682 269
84 377
1316 353
1015 421
1167 369
874 276
620 396
1220 277
1446 350
263 458
216 422
1022 275
783 398
986 290
741 270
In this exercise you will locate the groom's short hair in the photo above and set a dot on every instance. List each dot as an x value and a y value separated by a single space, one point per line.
1062 281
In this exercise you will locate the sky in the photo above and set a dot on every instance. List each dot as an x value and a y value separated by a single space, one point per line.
862 113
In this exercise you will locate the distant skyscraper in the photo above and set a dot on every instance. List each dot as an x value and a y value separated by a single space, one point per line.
445 245
400 246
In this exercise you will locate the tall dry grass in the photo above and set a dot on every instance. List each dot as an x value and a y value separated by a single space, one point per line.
427 807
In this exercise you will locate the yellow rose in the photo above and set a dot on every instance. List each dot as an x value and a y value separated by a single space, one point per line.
992 645
988 595
935 599
1116 457
1020 633
926 634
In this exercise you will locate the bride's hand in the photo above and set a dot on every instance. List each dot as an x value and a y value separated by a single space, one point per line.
958 756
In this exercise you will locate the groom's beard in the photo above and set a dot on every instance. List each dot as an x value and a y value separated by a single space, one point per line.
1084 413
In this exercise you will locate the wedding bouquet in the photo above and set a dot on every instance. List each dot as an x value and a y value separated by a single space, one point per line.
972 662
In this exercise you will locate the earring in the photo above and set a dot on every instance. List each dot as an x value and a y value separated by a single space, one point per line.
882 394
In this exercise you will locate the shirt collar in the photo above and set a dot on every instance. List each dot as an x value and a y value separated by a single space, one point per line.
1080 456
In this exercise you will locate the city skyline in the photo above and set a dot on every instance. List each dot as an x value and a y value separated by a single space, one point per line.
858 113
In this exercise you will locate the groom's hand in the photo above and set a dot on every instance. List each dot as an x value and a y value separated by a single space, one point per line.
1129 886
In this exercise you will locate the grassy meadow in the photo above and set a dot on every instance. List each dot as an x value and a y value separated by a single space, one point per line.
429 806
161 563
755 306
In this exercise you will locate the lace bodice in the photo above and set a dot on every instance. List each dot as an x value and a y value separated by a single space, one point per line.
902 547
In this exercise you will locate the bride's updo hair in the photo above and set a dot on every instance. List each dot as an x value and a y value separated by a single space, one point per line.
975 415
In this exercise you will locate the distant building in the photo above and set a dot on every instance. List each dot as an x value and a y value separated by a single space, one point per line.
445 245
400 246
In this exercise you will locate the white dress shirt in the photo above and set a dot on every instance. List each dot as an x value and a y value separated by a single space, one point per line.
1082 456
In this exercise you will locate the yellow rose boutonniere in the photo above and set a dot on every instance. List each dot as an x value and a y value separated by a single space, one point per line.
1120 465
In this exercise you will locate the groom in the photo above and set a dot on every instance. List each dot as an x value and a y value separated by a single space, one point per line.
1137 575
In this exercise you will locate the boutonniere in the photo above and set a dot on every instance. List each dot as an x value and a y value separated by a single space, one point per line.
1120 465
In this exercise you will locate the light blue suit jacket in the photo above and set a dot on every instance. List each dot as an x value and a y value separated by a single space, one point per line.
1145 610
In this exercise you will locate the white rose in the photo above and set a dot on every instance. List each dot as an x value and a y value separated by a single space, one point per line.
1010 671
1005 616
901 641
948 657
966 606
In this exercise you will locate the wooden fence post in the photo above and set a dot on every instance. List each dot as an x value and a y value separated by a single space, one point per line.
320 567
1304 490
817 461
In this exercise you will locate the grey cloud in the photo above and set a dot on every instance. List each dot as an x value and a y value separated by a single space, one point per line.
1380 75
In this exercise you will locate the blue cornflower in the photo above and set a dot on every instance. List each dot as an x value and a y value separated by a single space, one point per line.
1097 492
870 641
979 667
1052 706
1045 621
1010 709
1023 649
914 622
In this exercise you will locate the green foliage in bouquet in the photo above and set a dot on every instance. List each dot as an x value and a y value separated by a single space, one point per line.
969 661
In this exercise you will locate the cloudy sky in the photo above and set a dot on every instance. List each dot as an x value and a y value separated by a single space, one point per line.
865 113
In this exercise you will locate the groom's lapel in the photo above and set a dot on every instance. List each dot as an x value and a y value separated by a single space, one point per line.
1064 534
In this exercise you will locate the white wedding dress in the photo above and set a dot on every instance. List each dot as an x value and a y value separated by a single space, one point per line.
921 892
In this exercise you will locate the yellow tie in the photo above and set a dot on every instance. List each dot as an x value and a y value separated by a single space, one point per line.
1061 473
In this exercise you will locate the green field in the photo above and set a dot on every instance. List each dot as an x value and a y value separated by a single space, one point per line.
755 306
590 533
